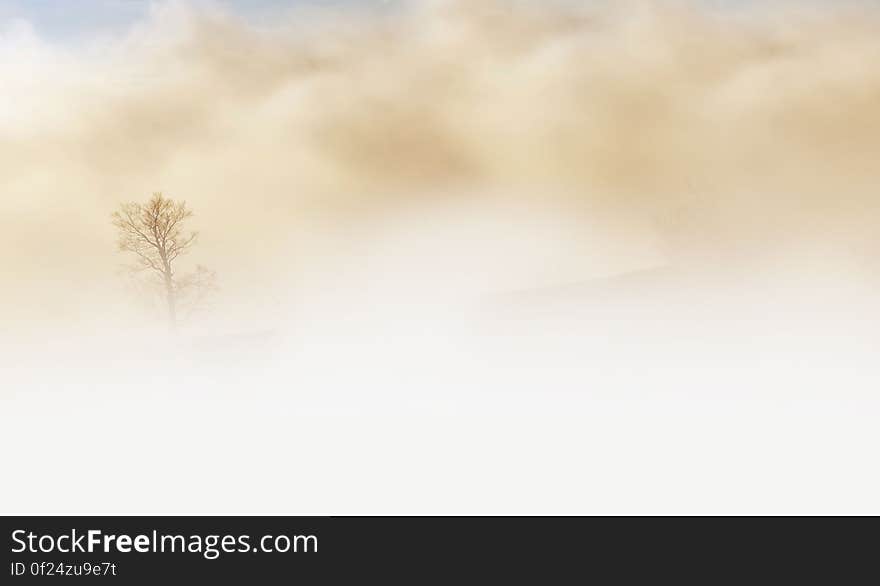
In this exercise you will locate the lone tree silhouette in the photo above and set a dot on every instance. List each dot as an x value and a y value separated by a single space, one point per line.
154 233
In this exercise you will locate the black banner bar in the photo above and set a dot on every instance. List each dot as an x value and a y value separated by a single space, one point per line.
130 550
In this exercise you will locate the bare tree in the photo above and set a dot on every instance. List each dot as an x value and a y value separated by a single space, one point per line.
154 233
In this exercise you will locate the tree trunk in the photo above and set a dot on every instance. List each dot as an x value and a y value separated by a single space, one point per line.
172 305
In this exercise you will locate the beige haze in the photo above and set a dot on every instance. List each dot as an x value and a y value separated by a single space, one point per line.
654 133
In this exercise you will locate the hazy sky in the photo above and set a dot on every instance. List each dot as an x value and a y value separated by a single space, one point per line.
65 19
